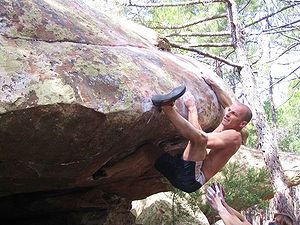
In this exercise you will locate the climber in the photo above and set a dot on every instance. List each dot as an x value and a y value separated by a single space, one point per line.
205 153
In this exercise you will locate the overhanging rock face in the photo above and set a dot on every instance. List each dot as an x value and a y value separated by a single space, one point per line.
75 102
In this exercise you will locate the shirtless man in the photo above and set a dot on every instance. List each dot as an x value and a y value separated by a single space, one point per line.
206 153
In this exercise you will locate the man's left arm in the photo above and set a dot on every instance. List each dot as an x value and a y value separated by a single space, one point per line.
190 104
222 96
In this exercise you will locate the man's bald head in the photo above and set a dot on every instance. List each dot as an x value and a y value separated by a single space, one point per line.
247 113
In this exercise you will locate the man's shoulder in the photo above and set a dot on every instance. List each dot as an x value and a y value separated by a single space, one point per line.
231 131
233 135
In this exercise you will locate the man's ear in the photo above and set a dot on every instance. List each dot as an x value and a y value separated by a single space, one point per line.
243 124
245 135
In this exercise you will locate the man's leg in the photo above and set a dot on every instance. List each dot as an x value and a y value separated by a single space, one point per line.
196 148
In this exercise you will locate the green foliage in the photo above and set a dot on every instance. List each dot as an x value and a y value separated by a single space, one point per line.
245 187
289 120
192 199
252 138
162 19
268 110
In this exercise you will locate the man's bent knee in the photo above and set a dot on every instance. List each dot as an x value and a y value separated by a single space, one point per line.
195 152
199 139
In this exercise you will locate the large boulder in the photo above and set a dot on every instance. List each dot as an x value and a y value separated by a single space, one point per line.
77 126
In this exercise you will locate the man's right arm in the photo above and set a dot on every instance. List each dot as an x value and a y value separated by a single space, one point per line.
224 139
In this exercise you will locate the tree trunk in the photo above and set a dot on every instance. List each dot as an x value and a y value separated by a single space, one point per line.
266 138
273 110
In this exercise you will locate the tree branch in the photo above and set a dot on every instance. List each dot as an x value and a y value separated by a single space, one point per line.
233 21
290 96
293 38
270 15
281 79
285 51
192 23
265 32
209 45
221 59
187 3
242 9
282 26
292 1
206 34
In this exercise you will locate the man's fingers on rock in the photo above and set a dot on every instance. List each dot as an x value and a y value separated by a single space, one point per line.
209 200
210 195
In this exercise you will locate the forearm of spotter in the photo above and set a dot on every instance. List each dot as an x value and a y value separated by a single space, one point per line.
236 213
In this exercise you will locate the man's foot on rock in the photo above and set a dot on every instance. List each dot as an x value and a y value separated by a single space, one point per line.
170 98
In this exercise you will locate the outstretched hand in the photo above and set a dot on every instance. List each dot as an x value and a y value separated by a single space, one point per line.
219 188
215 196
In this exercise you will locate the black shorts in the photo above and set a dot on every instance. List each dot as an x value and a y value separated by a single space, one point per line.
179 172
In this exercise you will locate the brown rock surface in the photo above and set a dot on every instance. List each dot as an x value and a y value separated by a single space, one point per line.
77 127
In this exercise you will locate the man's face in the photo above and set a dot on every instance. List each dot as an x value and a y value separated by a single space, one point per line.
233 118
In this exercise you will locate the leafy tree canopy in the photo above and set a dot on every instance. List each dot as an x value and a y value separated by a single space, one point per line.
289 120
